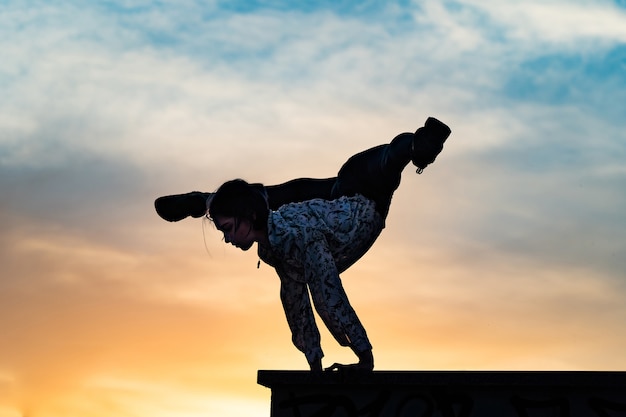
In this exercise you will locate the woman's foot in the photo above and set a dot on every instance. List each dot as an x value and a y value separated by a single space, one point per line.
176 207
428 143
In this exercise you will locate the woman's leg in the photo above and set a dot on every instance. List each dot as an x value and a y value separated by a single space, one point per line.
300 189
375 173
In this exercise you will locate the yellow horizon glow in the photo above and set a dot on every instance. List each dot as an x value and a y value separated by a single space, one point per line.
186 329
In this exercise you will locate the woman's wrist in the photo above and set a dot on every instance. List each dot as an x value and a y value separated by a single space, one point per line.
366 359
316 365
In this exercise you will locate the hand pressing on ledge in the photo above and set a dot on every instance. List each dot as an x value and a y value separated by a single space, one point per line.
366 363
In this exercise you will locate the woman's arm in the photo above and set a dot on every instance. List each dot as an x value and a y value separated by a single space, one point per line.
304 332
331 301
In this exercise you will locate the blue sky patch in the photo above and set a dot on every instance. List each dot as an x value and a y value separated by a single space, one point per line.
588 81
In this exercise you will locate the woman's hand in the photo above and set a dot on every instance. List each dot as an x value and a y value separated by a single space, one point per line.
366 363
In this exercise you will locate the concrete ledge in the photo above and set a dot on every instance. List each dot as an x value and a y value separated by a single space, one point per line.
446 393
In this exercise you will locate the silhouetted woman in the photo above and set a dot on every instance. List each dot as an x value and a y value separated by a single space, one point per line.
311 230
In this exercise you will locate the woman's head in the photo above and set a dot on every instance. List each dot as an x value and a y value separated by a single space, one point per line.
240 211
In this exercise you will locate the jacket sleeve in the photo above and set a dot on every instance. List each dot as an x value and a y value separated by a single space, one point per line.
329 297
305 335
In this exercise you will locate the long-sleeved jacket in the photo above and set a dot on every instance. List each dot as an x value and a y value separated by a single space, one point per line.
310 243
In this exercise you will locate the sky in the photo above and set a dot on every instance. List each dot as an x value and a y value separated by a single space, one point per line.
507 253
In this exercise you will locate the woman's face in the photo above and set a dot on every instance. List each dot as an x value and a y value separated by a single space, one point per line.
237 232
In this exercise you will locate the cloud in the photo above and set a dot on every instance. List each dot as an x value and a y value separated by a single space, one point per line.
559 24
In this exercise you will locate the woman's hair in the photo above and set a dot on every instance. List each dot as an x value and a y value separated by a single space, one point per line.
241 200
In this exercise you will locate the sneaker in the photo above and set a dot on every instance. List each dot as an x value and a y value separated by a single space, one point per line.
179 206
428 143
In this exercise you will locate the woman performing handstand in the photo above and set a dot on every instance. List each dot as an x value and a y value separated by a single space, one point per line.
311 230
